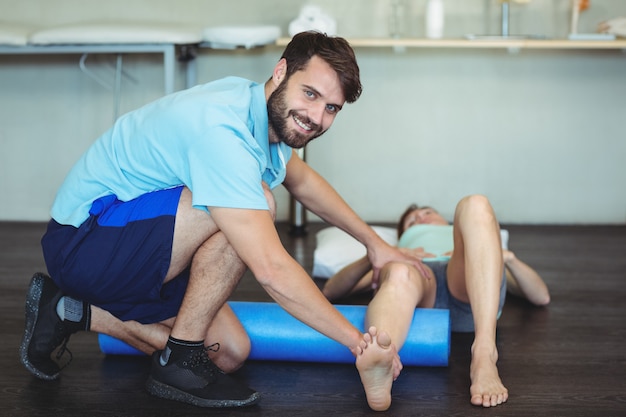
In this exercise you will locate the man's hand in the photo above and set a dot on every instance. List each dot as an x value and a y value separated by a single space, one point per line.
385 253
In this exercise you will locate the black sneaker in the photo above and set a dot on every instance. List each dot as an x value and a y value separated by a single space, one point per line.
44 330
196 380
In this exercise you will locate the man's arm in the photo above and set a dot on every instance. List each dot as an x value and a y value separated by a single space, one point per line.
253 236
317 195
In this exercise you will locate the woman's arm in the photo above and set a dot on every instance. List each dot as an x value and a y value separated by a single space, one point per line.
351 278
524 281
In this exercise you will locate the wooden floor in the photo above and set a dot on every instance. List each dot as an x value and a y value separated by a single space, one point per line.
565 360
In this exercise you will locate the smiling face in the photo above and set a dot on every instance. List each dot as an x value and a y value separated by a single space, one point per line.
304 105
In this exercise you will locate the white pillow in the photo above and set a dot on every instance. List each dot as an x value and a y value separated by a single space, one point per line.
336 248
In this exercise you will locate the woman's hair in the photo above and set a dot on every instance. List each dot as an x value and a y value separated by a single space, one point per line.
334 50
400 225
409 210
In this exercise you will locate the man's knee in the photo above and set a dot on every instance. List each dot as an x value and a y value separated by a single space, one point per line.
193 224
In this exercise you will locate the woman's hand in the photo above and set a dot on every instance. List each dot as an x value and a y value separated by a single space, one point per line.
507 256
417 253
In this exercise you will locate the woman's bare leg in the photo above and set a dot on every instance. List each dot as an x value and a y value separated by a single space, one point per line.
401 289
389 316
475 275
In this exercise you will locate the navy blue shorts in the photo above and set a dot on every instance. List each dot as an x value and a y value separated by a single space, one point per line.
118 258
461 318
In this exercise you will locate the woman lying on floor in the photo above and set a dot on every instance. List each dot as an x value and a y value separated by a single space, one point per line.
469 275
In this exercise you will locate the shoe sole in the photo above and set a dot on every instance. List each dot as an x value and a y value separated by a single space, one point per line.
158 389
33 298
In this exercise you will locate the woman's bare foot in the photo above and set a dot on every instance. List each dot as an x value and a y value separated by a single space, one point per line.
376 368
487 388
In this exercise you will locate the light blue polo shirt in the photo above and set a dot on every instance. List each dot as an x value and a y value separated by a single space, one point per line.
212 138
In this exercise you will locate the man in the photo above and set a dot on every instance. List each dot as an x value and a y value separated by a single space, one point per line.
155 225
466 260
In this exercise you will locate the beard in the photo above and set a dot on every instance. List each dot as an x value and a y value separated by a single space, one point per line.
278 115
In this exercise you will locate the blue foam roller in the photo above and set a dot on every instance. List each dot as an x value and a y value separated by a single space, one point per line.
276 335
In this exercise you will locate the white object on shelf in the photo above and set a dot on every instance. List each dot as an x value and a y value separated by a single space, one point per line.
615 26
313 18
434 19
231 37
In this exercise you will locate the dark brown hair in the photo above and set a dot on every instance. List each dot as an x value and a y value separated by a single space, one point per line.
336 51
408 211
400 224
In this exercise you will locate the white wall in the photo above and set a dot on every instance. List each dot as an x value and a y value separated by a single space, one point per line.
540 132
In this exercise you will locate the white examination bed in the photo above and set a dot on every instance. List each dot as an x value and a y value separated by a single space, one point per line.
106 38
120 38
